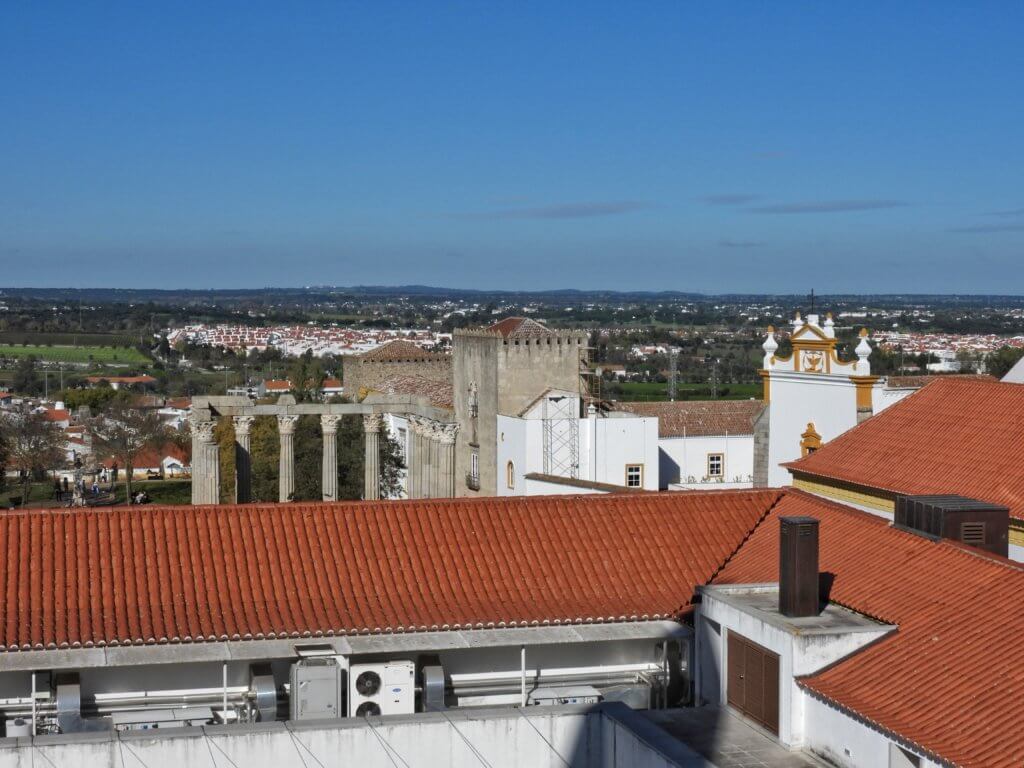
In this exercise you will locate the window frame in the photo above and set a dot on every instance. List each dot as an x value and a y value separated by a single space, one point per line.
639 467
721 465
510 475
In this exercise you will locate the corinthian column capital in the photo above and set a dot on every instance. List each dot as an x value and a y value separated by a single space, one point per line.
329 422
372 422
242 425
286 424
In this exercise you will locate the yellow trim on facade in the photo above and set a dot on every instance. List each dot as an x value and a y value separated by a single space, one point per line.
1017 532
766 388
846 494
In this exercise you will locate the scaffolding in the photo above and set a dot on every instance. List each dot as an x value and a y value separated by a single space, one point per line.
561 436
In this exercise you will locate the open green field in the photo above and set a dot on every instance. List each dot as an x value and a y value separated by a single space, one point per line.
643 390
128 355
76 339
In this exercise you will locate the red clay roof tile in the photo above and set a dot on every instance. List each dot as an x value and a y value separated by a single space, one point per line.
950 678
956 435
140 575
696 418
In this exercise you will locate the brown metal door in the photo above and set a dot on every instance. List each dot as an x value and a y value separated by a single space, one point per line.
753 681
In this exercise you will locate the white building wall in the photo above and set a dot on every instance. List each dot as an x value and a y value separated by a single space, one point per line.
606 446
684 461
545 737
829 402
849 743
799 654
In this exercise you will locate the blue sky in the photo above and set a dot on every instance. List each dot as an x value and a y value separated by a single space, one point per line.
709 147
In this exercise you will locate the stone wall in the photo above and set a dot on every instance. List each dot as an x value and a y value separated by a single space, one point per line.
361 375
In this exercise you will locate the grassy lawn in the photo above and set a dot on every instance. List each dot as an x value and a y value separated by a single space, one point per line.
77 354
159 491
643 390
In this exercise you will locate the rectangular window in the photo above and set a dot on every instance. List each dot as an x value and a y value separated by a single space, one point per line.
634 475
716 465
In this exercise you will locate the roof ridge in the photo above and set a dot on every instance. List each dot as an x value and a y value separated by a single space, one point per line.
782 493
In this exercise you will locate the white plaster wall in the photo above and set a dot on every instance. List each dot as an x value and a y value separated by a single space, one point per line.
518 445
886 397
541 488
830 402
538 736
798 655
606 446
685 457
846 742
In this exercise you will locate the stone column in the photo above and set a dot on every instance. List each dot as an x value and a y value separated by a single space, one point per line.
446 471
329 478
286 462
243 459
205 464
371 462
412 459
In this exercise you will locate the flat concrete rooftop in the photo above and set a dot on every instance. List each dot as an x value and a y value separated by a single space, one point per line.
725 740
762 600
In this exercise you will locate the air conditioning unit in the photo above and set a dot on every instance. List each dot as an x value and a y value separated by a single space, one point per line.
316 690
384 688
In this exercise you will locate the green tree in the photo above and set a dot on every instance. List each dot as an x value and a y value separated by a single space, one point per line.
1000 362
34 446
123 433
26 377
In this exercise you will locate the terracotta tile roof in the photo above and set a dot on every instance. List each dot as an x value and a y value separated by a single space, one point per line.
695 418
916 382
331 384
440 393
135 575
950 679
277 385
181 403
521 328
956 435
152 458
56 414
400 350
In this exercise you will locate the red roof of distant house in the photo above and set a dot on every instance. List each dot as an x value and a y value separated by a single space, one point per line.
521 328
696 418
151 458
950 678
57 414
181 403
331 384
121 379
956 435
277 385
400 350
301 569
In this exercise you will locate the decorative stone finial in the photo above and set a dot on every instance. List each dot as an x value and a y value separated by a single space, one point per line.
829 326
769 347
862 366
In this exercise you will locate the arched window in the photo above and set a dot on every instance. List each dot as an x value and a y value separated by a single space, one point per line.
810 441
510 475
